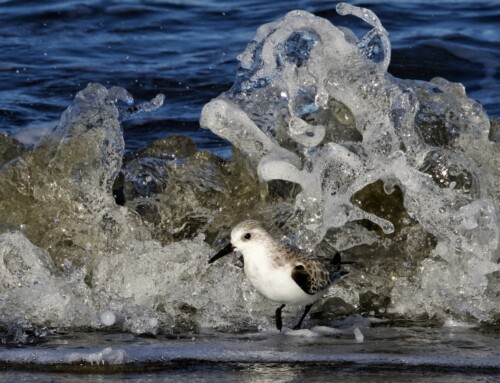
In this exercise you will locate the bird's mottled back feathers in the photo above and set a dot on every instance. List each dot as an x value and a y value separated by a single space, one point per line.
313 275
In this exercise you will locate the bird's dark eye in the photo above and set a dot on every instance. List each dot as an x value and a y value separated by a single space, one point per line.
247 236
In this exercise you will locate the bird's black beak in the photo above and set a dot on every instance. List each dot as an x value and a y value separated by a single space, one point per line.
229 248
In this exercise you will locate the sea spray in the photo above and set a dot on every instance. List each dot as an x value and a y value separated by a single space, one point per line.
331 151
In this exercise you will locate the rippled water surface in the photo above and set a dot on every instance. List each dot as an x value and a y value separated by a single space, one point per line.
410 354
187 50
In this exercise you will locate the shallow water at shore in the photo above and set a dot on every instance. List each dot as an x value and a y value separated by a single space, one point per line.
385 354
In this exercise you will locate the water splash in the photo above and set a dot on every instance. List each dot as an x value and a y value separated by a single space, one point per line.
399 174
419 137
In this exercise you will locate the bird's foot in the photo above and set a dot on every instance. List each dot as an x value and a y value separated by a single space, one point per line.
279 325
297 326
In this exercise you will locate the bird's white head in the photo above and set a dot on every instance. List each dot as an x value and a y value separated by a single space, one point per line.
249 236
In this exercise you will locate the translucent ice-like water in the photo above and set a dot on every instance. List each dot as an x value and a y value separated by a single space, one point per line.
331 152
314 106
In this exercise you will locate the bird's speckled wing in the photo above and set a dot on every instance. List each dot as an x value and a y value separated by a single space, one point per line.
311 275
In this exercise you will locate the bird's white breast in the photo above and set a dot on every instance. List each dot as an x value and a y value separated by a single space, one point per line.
274 281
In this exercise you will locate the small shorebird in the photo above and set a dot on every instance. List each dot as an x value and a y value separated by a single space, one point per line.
281 273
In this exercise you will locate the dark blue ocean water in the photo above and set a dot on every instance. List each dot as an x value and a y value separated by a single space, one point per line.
49 50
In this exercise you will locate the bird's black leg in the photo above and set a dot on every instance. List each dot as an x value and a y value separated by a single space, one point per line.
308 307
279 323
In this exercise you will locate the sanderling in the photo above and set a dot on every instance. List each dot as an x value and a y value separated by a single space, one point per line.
280 272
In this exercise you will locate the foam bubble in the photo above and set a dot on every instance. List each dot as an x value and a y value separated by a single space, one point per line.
358 335
108 318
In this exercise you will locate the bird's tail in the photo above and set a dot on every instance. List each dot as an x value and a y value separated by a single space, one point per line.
337 263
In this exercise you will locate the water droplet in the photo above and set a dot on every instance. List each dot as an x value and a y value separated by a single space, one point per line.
107 318
321 99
